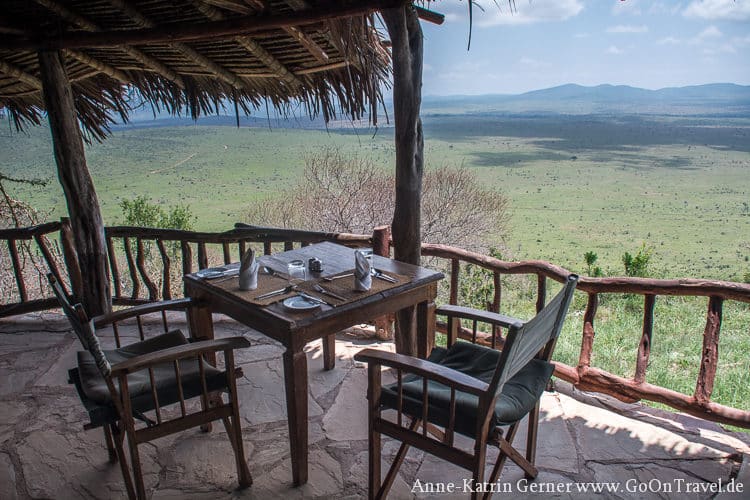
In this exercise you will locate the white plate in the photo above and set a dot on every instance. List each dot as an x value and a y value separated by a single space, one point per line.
299 303
212 272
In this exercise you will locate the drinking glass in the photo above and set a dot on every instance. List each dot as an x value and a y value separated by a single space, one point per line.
296 270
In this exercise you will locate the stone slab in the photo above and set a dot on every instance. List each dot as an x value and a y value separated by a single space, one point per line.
350 407
7 478
262 394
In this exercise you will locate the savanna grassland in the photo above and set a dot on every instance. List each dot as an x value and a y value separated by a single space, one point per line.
597 183
601 183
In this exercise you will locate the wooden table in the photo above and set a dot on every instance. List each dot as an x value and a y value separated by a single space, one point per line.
295 329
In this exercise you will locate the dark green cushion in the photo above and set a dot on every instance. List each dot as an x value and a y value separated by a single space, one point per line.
518 397
95 388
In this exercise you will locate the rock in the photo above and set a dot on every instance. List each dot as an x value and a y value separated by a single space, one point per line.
350 406
7 478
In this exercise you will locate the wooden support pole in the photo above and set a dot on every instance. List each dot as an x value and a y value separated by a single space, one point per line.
406 35
83 205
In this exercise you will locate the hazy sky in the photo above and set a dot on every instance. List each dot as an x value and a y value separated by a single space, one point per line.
543 43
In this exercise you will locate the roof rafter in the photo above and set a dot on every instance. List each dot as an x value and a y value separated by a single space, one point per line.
251 46
219 70
82 22
16 72
299 35
181 32
99 66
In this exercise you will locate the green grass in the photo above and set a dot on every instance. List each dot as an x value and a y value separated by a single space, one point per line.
576 184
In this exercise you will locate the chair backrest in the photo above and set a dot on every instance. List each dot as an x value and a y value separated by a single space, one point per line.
82 326
536 338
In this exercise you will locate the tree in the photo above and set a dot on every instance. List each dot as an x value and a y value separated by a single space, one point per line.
349 193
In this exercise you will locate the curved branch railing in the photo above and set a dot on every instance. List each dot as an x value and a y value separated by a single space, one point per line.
129 263
588 378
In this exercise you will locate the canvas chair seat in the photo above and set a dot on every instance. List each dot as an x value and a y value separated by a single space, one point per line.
518 397
95 388
115 385
467 389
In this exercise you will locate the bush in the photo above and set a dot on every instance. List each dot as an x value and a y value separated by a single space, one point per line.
141 212
637 265
340 193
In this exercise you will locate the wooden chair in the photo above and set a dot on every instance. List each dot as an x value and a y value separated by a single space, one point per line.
158 376
468 389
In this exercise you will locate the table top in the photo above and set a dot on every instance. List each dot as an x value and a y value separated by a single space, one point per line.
336 259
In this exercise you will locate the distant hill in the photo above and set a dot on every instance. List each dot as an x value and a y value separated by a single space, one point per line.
716 100
711 99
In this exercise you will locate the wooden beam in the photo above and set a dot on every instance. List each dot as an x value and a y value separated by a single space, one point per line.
183 32
205 6
80 195
101 67
312 47
253 47
192 54
82 22
16 72
406 34
429 15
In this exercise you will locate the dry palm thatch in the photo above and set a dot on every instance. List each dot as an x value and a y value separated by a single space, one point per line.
194 56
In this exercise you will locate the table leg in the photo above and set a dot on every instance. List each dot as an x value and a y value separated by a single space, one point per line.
329 352
425 328
200 322
295 381
201 325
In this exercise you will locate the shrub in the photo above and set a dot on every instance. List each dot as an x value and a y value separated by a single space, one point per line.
348 193
638 265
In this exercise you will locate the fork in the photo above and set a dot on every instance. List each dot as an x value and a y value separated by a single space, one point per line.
327 292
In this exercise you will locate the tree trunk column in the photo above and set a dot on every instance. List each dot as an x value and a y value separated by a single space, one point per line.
406 38
83 205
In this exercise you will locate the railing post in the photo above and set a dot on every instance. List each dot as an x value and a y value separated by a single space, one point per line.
71 257
710 353
381 245
587 342
644 348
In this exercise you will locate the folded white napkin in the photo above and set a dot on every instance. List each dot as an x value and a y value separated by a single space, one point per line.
249 271
362 272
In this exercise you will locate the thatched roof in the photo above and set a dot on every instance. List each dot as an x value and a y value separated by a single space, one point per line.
177 55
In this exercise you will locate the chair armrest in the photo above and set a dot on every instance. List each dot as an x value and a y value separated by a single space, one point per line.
164 305
479 315
178 352
441 374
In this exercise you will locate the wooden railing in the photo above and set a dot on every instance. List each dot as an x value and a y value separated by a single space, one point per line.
131 249
134 282
146 264
589 378
38 245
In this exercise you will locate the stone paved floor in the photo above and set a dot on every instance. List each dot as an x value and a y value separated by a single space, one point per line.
45 453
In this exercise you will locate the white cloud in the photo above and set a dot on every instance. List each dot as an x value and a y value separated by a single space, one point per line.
670 40
662 8
529 12
452 17
710 32
725 48
530 62
630 8
624 28
581 35
727 10
612 49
